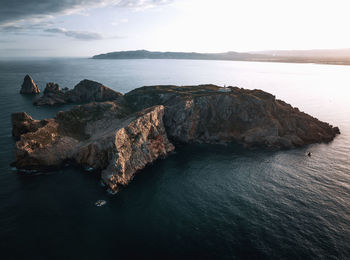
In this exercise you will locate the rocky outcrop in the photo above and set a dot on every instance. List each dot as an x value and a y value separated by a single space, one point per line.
29 86
100 136
210 114
23 123
121 137
84 91
136 145
53 95
88 90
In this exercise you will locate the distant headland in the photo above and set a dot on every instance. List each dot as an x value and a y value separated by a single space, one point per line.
144 54
336 57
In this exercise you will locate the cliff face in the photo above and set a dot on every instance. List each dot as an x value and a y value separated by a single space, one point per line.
121 137
139 143
209 114
84 91
29 86
23 123
99 136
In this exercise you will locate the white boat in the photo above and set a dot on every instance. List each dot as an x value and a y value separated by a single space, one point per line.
100 203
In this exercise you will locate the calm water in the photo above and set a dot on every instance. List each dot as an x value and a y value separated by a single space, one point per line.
218 202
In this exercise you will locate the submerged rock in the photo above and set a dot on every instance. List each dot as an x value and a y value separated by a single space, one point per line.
121 137
29 86
84 91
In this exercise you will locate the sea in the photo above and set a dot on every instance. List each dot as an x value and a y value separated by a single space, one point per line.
203 201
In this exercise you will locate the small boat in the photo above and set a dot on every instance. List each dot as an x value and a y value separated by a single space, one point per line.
89 169
100 203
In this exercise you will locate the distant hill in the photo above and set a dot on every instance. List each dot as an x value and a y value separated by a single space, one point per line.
317 53
143 54
337 56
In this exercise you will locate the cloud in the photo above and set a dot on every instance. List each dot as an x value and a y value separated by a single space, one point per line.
23 28
79 35
26 49
142 3
11 28
6 41
21 10
121 21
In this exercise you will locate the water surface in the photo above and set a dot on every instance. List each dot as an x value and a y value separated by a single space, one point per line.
203 201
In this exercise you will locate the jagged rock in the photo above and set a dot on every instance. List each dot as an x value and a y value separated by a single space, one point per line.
52 95
23 123
52 87
84 91
88 90
99 136
29 86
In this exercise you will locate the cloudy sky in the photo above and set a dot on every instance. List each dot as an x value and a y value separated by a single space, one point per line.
89 27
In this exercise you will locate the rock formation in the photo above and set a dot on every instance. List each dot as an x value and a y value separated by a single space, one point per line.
102 136
23 123
84 91
53 95
121 137
29 86
254 118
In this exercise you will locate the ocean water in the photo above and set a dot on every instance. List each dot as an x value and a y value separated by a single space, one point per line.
203 202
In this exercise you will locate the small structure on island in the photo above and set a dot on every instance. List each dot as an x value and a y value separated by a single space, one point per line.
29 86
224 89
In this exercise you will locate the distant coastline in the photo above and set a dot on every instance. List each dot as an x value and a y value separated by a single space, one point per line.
331 57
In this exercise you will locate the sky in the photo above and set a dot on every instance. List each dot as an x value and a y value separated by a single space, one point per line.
85 28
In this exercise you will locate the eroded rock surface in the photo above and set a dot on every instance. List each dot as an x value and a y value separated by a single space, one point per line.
120 137
210 114
84 91
53 95
29 86
23 123
102 136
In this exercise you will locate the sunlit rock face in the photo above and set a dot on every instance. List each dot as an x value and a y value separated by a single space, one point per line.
29 86
139 143
100 136
119 138
84 91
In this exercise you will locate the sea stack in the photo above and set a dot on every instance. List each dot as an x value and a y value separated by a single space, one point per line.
29 86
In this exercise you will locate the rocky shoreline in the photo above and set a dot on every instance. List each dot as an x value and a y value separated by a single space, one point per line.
121 134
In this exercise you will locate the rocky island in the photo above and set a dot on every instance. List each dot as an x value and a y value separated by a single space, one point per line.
29 86
121 136
84 91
